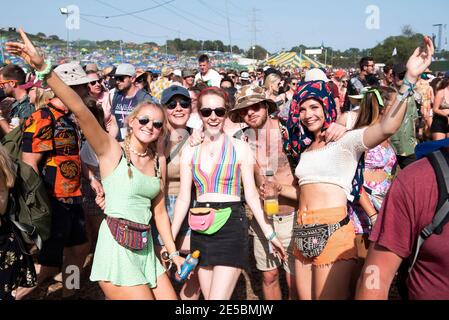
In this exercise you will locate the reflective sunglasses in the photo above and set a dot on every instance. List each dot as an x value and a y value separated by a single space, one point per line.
144 120
219 112
185 104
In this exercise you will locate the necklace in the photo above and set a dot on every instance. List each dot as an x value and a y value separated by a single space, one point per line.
142 155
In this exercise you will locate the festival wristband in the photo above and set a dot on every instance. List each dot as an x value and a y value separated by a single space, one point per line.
271 236
42 75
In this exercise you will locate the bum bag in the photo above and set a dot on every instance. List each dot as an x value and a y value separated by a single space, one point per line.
128 234
311 239
207 220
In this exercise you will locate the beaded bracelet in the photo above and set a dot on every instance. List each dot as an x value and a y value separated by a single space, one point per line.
271 236
174 254
41 75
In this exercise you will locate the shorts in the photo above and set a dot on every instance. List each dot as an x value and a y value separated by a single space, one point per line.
340 246
229 246
283 226
68 229
170 201
440 124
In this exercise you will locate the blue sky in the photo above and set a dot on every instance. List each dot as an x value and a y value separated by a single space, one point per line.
280 23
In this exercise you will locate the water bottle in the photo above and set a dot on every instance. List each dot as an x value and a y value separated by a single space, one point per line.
187 267
271 202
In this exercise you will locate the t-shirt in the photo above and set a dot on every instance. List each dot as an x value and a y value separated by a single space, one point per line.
61 171
122 106
409 207
212 78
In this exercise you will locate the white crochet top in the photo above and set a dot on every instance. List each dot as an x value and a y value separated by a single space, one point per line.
336 163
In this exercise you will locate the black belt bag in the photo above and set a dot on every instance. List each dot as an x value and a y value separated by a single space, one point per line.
311 239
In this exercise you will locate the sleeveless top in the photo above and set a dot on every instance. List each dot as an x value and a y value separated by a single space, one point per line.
225 175
130 198
381 157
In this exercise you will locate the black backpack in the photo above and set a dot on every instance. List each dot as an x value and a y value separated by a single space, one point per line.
440 163
33 209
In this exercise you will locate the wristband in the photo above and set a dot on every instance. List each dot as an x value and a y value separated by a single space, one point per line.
41 75
271 236
173 254
409 84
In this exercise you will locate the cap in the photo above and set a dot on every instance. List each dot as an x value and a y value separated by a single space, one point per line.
172 91
316 75
125 69
244 76
72 74
188 73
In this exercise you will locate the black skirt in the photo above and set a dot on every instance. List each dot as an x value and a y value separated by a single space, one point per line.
229 246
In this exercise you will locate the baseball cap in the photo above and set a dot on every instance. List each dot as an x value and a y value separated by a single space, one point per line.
125 69
316 75
172 91
72 74
244 76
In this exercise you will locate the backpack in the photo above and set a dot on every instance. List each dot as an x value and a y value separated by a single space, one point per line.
33 209
439 160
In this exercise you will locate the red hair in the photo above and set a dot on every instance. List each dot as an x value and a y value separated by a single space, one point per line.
214 91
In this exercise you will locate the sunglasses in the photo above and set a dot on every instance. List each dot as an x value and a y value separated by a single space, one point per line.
219 112
95 82
145 120
121 78
4 82
294 83
185 104
255 108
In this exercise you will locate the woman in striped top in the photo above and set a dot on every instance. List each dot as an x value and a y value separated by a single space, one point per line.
217 168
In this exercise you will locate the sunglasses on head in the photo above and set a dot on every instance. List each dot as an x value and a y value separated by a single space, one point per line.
144 120
207 112
185 104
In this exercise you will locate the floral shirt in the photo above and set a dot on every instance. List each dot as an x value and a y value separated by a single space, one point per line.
52 130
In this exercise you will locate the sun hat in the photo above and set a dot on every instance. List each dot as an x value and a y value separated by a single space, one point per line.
72 74
316 75
247 96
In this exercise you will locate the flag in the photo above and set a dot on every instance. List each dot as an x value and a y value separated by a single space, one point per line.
395 52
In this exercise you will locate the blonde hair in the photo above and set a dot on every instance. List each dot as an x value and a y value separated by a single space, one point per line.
272 77
152 148
43 97
7 169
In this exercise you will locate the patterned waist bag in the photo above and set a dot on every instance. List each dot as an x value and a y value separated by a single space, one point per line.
131 235
311 239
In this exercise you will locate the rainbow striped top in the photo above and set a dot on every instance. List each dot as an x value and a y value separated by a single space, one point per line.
226 174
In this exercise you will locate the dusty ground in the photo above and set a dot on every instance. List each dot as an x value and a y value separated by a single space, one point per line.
249 286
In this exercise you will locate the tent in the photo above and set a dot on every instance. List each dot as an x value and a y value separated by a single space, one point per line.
293 60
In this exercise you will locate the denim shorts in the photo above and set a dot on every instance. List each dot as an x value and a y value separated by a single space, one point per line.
185 231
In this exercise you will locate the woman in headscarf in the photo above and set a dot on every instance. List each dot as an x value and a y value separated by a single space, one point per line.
324 235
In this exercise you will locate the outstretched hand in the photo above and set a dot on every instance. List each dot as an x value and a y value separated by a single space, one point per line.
27 51
420 60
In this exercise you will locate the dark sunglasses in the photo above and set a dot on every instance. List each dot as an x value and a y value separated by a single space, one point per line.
95 82
255 108
219 112
185 104
294 83
121 78
145 120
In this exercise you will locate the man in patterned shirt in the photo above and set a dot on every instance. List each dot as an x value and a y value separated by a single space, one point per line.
51 146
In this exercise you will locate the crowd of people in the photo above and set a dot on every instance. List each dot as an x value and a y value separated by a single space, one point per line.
143 170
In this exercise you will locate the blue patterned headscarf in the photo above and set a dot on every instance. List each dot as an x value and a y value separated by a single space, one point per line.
296 138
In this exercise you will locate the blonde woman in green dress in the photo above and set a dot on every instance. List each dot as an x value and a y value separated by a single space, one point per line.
132 186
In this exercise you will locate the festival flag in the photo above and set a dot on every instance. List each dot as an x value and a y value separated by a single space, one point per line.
395 52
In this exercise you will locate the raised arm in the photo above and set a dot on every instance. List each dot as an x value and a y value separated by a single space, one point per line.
99 140
183 200
391 122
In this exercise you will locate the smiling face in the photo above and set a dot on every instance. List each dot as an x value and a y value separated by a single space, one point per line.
178 116
312 115
143 130
255 116
212 123
94 86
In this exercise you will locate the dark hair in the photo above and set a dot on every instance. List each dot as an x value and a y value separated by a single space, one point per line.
203 58
364 62
388 68
227 79
443 84
177 79
14 72
96 110
434 84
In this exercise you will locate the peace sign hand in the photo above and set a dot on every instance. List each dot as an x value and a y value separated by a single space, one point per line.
27 51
